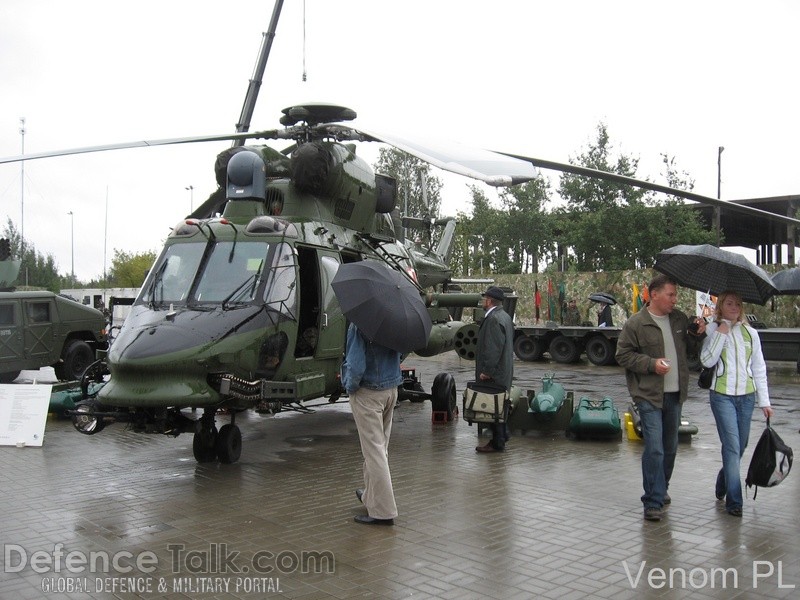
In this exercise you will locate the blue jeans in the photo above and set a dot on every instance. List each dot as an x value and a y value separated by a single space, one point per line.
733 415
660 432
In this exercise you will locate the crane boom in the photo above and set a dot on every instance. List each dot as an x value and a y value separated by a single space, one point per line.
258 74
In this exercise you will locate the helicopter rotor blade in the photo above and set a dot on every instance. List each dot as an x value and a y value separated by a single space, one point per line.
490 167
273 134
649 185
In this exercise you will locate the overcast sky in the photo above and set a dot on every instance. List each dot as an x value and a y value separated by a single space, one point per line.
530 77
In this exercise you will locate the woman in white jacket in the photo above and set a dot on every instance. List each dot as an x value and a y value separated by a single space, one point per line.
740 383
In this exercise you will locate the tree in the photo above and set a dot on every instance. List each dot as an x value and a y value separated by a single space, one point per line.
130 270
612 226
528 229
410 172
36 269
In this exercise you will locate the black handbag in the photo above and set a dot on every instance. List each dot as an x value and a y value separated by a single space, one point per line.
706 377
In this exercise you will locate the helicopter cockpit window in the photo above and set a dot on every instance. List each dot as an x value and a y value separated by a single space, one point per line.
281 288
171 279
232 273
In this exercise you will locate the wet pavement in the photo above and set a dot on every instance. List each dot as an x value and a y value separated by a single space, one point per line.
127 515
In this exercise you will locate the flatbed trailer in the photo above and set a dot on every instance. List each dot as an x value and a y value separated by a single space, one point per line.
781 343
566 344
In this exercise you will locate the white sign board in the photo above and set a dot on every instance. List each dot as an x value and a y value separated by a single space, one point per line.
23 414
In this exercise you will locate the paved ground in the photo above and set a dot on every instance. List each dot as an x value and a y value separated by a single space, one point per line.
550 518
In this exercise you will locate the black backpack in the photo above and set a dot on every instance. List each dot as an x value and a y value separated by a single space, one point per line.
771 462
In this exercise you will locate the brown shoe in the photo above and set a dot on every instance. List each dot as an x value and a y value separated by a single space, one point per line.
487 448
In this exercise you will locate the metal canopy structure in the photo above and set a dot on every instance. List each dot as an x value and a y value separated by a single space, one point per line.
766 236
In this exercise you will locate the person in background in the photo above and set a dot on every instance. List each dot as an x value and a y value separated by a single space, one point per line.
740 383
572 316
494 362
604 318
652 348
370 375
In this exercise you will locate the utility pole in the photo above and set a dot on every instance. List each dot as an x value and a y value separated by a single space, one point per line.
72 232
717 209
22 190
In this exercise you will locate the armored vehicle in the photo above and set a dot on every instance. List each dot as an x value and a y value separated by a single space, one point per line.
40 329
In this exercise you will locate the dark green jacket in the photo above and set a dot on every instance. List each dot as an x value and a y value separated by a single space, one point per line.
495 351
641 343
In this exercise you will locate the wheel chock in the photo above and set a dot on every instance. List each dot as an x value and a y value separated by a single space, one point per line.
438 417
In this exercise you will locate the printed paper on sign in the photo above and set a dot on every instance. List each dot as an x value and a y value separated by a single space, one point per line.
23 414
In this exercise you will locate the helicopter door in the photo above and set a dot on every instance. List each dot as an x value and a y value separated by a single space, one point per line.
321 325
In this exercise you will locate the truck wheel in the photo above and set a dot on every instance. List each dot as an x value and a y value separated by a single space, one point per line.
528 348
564 350
600 351
443 395
77 358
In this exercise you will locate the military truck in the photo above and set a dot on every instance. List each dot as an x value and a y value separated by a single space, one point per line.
40 329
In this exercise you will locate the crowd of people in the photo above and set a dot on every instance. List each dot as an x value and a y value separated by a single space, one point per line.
652 348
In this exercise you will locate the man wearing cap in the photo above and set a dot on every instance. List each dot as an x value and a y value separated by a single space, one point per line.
495 357
572 316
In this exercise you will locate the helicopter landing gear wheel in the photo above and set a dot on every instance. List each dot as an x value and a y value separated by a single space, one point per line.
443 395
204 444
229 443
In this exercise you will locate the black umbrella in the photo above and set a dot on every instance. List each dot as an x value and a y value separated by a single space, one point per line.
787 281
383 304
603 298
707 268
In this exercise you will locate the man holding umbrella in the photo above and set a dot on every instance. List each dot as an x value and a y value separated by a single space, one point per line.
388 318
652 348
371 374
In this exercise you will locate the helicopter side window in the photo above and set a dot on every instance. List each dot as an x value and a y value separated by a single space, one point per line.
280 291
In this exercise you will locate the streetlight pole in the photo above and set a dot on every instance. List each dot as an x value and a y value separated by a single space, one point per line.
191 197
717 210
22 189
72 231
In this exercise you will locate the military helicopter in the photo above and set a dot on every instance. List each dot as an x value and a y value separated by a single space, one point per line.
238 312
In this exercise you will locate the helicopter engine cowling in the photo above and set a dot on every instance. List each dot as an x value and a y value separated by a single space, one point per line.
333 171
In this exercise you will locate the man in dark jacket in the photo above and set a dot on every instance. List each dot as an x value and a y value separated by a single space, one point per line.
494 364
652 348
